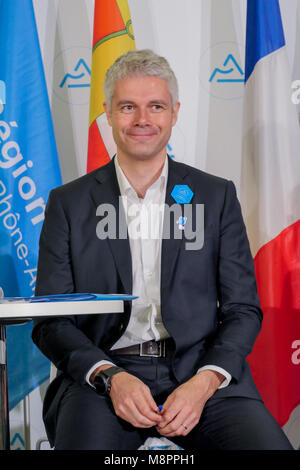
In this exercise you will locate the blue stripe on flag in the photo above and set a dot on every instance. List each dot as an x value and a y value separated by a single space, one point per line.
29 169
264 32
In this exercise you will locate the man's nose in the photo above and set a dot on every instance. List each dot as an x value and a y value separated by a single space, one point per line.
141 117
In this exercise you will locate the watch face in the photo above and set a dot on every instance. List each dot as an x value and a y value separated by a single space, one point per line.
100 383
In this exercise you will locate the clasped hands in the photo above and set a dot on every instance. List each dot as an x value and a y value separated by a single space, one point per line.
133 402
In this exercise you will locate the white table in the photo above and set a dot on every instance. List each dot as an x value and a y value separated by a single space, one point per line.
21 311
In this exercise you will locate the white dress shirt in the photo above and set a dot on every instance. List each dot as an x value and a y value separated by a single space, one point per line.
144 219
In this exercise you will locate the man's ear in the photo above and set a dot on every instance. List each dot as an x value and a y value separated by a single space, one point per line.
175 112
107 112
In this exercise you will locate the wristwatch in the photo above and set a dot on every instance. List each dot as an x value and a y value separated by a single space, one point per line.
102 379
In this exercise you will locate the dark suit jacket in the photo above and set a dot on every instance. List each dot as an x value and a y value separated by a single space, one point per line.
209 301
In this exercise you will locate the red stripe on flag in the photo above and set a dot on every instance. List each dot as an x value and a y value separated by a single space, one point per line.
97 153
275 362
107 19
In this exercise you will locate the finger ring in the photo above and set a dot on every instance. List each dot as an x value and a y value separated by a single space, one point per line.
185 427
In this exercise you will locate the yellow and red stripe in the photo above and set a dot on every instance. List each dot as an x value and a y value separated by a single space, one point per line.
113 36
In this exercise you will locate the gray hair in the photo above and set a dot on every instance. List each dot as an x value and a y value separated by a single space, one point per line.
139 63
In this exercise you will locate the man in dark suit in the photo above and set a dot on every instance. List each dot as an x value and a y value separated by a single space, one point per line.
183 343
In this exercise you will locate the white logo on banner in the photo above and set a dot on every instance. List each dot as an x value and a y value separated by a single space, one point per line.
222 71
2 92
72 75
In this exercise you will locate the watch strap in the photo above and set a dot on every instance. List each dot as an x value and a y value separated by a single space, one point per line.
104 376
112 371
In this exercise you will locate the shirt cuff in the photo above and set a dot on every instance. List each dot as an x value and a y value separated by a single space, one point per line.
227 376
91 370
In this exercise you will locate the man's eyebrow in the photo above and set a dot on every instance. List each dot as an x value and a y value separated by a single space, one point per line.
158 102
153 101
121 102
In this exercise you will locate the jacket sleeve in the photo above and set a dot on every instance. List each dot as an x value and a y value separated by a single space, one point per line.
240 316
59 339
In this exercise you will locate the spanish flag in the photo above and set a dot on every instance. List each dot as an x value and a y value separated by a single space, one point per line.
113 36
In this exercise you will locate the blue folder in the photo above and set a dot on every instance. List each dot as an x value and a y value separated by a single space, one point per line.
69 298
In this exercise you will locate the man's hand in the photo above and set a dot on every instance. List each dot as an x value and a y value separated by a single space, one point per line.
133 402
132 399
183 408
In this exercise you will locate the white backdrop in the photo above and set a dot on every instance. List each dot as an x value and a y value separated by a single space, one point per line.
196 36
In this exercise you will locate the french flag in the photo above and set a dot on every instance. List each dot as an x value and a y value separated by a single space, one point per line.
270 197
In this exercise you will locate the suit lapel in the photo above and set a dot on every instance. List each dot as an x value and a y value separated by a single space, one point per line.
106 191
171 242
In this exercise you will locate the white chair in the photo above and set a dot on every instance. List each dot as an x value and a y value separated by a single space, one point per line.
42 440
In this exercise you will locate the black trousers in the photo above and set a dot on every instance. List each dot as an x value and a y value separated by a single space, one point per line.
87 421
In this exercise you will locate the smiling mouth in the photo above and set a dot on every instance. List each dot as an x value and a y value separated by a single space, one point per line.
141 136
137 131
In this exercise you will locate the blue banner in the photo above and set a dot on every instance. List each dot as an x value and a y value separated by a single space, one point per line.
29 169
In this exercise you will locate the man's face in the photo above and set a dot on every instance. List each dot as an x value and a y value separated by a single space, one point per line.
142 116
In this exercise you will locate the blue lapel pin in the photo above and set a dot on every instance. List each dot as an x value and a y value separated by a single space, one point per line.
182 194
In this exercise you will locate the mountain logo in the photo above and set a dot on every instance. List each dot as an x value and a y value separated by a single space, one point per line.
72 75
170 150
82 71
232 70
221 70
17 442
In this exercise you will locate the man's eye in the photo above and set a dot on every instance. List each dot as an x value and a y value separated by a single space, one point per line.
127 107
157 108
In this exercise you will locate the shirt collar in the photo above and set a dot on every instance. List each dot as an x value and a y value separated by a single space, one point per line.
125 186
